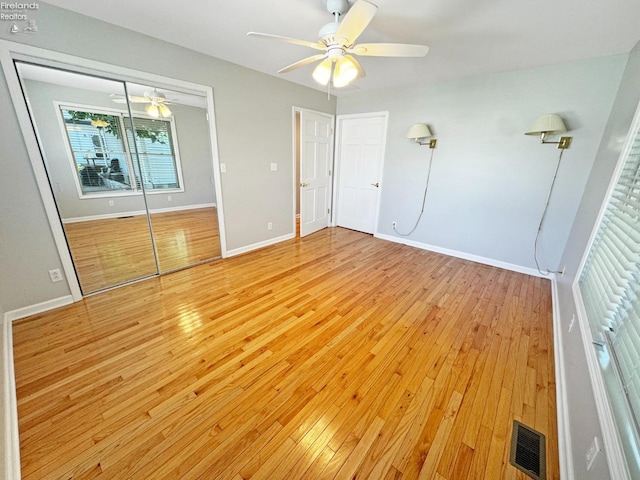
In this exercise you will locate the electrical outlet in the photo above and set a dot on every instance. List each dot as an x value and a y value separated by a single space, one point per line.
592 453
169 198
274 167
56 275
269 226
223 168
112 203
394 224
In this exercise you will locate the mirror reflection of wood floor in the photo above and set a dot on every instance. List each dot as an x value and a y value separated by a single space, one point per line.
112 251
333 356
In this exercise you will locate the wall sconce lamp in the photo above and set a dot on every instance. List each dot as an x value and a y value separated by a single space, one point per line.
550 125
543 126
419 132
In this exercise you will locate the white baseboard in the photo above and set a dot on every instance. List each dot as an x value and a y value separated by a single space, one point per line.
135 213
463 255
255 246
38 308
11 440
562 400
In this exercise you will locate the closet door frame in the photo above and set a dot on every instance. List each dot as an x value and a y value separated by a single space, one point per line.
10 51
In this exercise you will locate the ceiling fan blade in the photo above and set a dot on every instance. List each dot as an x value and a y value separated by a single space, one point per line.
389 50
303 62
117 98
355 21
295 41
137 99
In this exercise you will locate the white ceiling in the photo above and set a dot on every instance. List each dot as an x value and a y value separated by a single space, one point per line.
466 37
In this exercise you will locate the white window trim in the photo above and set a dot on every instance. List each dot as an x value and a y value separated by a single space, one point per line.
130 155
618 467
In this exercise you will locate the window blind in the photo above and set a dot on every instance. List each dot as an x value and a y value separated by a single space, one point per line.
95 147
101 160
156 152
610 279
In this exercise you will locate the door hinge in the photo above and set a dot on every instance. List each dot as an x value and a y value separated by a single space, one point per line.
329 172
328 210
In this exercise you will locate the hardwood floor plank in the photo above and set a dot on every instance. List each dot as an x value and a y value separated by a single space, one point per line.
334 356
105 256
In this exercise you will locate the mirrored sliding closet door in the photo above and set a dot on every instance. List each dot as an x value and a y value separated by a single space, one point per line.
131 171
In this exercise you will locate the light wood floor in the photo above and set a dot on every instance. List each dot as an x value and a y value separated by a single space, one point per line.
333 356
117 250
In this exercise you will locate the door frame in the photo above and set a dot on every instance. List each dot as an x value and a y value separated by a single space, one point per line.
10 51
337 161
296 138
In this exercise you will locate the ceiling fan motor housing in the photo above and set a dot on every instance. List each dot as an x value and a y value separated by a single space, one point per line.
327 33
155 96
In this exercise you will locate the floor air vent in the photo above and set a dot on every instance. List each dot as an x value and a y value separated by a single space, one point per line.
528 451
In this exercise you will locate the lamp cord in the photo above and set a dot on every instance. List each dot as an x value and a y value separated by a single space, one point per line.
424 200
544 213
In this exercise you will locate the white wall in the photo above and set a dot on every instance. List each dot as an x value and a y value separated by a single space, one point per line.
583 415
489 181
245 100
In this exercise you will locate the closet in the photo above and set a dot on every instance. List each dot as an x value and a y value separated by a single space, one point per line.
131 169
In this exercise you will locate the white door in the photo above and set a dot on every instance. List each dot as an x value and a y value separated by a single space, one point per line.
359 159
316 155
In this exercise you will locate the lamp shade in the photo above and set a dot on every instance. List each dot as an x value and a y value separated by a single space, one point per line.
158 110
153 110
345 71
164 110
419 130
322 72
547 124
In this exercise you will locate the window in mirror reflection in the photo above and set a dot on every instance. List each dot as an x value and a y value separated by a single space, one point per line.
104 161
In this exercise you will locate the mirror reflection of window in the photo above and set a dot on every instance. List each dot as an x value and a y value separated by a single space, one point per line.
102 160
156 152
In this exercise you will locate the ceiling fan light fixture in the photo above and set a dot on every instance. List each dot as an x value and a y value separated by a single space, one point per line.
157 110
344 73
322 72
164 110
338 39
153 110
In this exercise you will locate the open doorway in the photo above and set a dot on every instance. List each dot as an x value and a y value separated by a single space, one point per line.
313 156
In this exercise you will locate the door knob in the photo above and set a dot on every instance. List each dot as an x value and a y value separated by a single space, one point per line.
375 184
304 184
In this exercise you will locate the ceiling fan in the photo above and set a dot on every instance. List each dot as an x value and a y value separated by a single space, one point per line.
337 65
157 102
